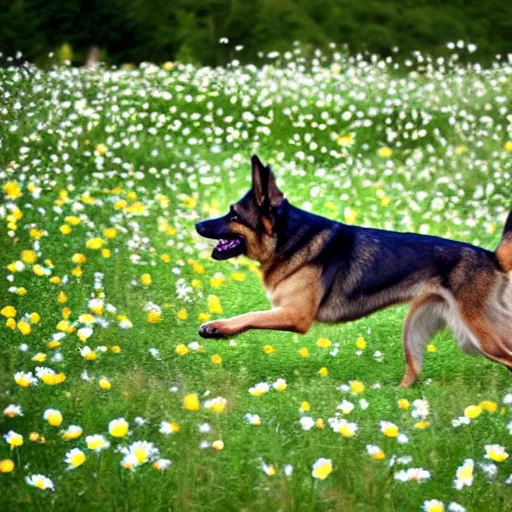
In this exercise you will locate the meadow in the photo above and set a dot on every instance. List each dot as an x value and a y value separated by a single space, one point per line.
109 400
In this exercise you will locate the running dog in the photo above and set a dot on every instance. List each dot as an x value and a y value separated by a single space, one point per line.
316 269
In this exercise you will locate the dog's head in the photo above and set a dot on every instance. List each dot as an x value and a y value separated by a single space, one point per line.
250 226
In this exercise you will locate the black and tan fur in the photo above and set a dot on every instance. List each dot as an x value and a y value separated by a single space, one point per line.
315 269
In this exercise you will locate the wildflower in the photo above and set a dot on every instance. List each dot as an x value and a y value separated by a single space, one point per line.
145 279
268 469
508 146
304 352
161 464
182 350
216 404
72 432
182 314
168 66
412 475
319 423
53 417
253 419
495 452
375 452
6 466
138 453
322 468
8 311
12 190
24 327
323 372
433 506
323 343
307 423
345 140
305 406
269 349
385 152
488 406
12 410
168 427
95 243
101 149
216 359
238 276
473 411
40 481
97 443
464 475
422 424
110 233
214 304
88 354
154 317
404 404
259 389
75 458
218 445
191 402
280 385
389 429
431 348
356 387
346 407
104 383
361 343
13 439
118 427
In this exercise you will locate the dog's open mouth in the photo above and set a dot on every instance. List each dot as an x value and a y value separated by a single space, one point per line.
228 248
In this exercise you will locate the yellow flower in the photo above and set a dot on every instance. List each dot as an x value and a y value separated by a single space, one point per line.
214 304
106 253
404 404
24 327
154 317
6 466
431 347
53 379
216 359
496 453
385 152
28 256
110 233
269 349
508 146
350 215
218 445
489 406
204 317
11 323
8 311
145 279
182 350
75 458
389 429
168 66
422 424
304 352
65 229
216 404
305 406
167 259
34 436
360 343
472 411
217 281
118 427
320 423
322 468
357 387
53 417
238 276
323 372
182 314
345 140
323 343
39 357
12 190
73 220
53 344
101 149
55 280
105 383
191 402
77 272
460 149
95 243
79 258
35 318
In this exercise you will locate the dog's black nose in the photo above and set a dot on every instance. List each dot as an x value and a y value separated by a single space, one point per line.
200 228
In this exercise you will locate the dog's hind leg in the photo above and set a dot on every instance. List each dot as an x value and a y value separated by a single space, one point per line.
426 317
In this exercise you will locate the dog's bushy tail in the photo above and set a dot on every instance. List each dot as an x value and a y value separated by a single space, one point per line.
504 250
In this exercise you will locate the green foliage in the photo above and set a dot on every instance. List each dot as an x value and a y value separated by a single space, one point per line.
189 30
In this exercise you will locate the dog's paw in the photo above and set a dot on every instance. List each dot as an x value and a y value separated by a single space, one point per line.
213 330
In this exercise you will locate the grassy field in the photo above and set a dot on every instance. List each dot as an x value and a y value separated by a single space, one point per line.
104 283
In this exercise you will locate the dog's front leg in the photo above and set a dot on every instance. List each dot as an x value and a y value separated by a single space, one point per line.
279 319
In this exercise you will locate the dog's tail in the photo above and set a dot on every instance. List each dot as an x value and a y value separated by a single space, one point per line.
504 250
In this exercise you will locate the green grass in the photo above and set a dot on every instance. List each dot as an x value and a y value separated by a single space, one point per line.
188 134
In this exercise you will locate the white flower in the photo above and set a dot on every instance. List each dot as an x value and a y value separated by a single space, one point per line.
259 389
322 468
455 507
464 475
288 470
461 420
433 505
40 481
138 453
402 439
307 423
412 474
346 407
252 419
167 428
13 410
75 458
161 464
204 428
97 443
280 385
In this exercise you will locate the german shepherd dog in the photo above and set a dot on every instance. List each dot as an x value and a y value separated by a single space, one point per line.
317 269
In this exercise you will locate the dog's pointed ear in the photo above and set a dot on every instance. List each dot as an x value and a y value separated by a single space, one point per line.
264 184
